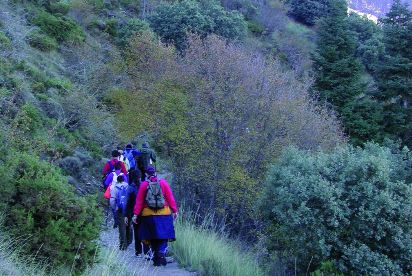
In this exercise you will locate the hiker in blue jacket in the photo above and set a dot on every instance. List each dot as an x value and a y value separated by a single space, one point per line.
131 154
118 201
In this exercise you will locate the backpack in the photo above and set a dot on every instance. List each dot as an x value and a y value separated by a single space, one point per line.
115 175
121 198
125 161
154 197
129 155
114 182
111 169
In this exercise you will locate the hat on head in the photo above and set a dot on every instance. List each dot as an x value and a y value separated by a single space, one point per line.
129 146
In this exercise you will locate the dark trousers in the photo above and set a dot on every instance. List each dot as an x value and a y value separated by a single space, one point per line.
125 234
139 245
143 176
159 248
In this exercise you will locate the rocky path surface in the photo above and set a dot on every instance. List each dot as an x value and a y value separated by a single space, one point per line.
126 263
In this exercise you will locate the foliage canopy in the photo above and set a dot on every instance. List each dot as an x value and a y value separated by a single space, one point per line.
351 206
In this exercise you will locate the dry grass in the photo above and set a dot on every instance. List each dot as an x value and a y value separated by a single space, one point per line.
205 248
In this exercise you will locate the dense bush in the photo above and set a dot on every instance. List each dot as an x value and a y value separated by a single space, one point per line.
173 21
61 7
128 30
307 11
5 42
62 28
351 207
28 119
42 208
41 41
71 165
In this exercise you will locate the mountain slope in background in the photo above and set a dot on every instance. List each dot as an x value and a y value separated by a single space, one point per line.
375 8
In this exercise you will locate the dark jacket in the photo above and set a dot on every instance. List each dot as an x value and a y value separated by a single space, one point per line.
131 200
145 155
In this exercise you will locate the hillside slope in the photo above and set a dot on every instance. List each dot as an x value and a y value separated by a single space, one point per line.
377 8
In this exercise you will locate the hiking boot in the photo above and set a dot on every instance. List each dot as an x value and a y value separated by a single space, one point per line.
162 259
159 259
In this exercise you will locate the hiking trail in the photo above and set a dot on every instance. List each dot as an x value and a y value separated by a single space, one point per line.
117 262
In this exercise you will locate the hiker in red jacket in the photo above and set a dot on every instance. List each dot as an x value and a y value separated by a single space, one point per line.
155 209
109 166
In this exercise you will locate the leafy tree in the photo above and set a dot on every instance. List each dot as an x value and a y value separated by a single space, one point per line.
221 113
172 21
338 74
351 207
308 11
394 73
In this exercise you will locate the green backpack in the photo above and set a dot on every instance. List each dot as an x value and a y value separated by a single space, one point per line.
154 197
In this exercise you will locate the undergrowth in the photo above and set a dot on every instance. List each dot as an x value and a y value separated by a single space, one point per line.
206 249
11 260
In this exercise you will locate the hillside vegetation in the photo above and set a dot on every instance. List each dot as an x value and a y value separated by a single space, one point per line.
287 121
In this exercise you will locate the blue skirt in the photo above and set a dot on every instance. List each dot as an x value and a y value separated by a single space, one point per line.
157 228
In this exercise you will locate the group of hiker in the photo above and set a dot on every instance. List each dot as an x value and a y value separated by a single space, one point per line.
143 205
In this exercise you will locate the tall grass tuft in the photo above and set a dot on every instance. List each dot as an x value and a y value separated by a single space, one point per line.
206 249
12 262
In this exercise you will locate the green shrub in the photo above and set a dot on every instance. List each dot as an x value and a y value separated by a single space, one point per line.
38 87
255 28
132 27
28 119
352 207
59 83
172 21
4 40
71 165
39 204
62 28
41 41
61 7
4 92
111 26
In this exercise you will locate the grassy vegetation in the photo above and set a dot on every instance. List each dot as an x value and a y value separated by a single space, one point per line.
207 250
4 40
61 28
11 260
41 41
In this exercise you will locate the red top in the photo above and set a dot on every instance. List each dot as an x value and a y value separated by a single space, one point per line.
167 193
106 168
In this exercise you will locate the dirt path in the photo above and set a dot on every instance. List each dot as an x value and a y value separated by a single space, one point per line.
126 263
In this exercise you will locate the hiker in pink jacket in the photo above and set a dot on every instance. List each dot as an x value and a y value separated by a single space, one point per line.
156 216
